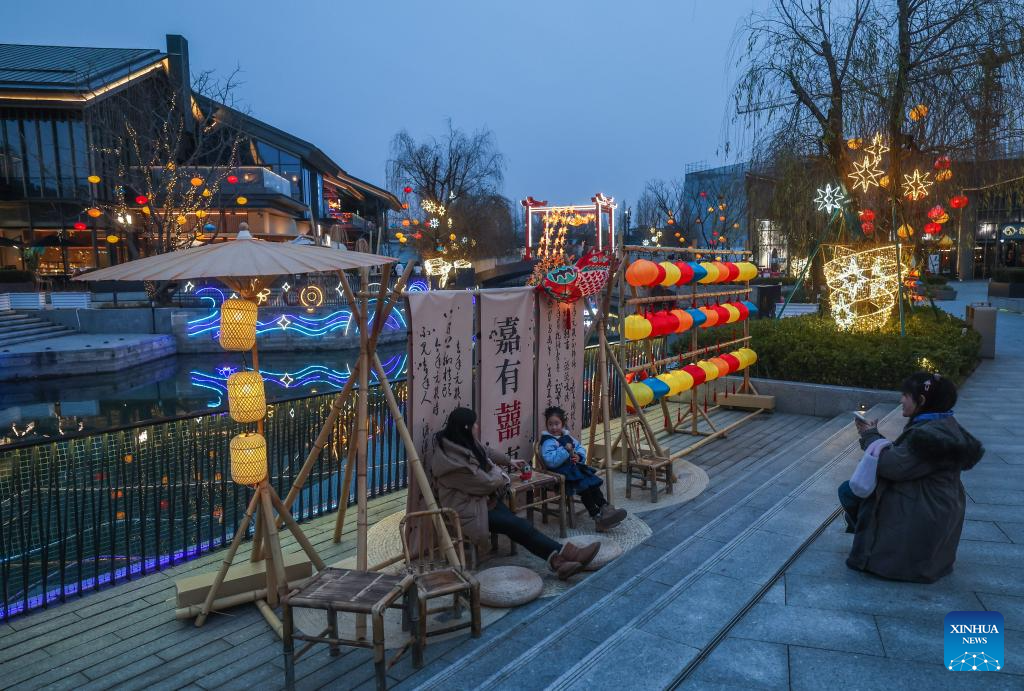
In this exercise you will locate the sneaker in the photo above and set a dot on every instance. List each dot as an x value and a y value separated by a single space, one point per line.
609 517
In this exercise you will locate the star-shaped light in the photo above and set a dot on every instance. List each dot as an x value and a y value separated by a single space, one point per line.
339 291
434 223
877 147
866 174
830 198
287 380
285 287
284 322
189 286
915 186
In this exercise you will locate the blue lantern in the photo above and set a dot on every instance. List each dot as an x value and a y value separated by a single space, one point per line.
209 227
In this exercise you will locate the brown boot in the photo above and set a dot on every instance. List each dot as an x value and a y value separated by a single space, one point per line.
562 567
584 555
609 517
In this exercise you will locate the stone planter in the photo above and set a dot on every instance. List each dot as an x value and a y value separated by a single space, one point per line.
997 289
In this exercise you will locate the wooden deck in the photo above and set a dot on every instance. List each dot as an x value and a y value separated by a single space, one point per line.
126 636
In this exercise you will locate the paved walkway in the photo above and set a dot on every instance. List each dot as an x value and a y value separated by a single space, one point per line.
825 626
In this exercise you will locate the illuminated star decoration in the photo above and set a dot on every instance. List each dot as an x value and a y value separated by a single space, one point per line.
830 198
866 174
916 186
877 148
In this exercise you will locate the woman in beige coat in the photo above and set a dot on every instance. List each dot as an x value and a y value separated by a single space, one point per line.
470 479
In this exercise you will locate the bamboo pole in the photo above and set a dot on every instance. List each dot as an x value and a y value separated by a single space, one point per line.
362 432
602 363
228 558
632 399
346 485
649 347
689 354
677 298
297 533
271 618
279 582
413 461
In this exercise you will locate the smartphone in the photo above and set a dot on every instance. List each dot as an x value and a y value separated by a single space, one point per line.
860 416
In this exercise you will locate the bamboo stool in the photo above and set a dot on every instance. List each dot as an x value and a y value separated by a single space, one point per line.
346 590
434 576
523 496
644 463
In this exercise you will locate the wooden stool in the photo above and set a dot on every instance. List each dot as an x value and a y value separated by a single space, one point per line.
346 590
545 492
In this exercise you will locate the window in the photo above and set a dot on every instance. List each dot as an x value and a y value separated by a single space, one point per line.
12 160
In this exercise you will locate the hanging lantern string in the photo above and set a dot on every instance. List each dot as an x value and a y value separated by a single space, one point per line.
691 354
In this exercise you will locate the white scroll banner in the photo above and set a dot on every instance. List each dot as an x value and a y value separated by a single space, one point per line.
441 376
560 361
507 411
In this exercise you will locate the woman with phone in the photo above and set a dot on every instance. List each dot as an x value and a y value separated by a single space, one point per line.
908 526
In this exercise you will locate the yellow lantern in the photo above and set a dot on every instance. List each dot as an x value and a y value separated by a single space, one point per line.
113 239
684 379
200 214
734 313
636 328
710 370
854 143
748 271
207 193
196 181
946 242
919 111
672 274
242 201
905 231
452 236
670 383
182 220
237 324
712 275
146 210
246 399
944 175
642 393
248 458
94 212
884 181
93 179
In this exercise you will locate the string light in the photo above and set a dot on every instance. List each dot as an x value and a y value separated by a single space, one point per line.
877 147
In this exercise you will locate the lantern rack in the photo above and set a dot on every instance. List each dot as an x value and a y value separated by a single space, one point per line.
698 420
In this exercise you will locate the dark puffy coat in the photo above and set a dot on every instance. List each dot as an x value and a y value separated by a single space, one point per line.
908 529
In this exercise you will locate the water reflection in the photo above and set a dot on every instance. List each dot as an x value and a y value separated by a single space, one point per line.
172 387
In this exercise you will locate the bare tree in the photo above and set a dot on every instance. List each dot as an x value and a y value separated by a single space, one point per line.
455 181
714 208
168 161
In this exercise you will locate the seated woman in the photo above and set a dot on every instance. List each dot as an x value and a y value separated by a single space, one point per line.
565 455
469 479
908 528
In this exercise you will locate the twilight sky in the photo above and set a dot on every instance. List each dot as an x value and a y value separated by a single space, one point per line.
583 96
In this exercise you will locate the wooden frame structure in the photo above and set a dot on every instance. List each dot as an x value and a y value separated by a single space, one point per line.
599 207
745 397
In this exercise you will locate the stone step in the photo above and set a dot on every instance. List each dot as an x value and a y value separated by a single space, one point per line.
7 318
33 333
616 612
26 325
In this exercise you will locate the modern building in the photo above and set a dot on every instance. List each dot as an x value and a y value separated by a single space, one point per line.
55 135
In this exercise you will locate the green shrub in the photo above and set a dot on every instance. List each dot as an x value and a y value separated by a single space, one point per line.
1008 275
15 276
935 280
812 349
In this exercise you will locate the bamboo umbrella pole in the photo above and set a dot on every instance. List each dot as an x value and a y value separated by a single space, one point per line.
414 462
278 585
297 533
362 431
602 363
346 485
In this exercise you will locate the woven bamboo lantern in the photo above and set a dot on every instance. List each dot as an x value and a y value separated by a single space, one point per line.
237 324
246 400
248 458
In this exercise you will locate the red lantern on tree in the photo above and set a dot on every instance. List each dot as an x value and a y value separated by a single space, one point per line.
141 199
407 189
232 179
936 212
932 228
79 225
868 227
959 201
703 194
867 215
943 163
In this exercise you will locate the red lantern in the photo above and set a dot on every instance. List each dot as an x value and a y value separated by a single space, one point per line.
723 314
164 504
699 375
79 225
232 179
867 215
141 199
868 227
731 360
936 212
670 321
959 201
407 189
661 275
932 228
943 163
685 273
743 309
703 194
733 270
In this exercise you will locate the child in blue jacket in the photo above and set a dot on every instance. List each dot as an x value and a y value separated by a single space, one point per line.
565 455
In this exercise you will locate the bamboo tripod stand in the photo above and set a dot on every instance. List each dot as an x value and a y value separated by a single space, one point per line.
266 542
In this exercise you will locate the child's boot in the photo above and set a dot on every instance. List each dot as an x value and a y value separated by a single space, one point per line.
609 517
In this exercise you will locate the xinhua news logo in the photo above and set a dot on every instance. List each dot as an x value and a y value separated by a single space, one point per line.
973 642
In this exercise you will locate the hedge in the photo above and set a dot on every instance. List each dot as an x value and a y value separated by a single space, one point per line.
15 276
1008 275
812 349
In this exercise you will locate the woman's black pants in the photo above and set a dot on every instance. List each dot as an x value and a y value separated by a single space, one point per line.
501 520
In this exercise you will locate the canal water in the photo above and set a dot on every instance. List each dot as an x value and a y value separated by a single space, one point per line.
49 409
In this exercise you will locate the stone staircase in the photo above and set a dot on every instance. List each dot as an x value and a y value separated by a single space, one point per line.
649 618
18 327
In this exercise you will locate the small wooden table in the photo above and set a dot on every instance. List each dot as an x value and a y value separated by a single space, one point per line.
539 492
347 590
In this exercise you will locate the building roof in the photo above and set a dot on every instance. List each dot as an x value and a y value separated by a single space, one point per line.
67 68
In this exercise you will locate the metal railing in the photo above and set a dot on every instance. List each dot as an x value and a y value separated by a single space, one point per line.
93 510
